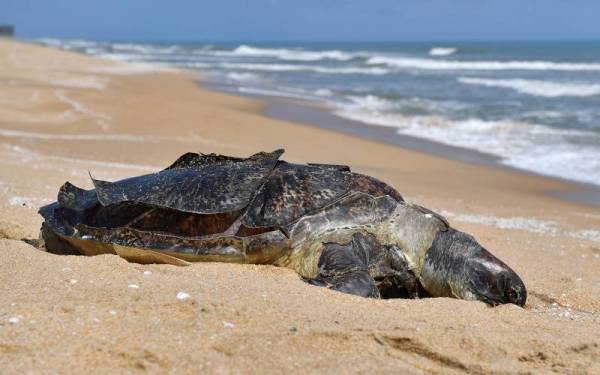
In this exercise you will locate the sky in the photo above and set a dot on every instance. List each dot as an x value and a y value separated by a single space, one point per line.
304 20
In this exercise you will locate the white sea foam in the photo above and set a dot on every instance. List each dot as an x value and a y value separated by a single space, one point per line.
192 138
530 224
91 46
127 67
51 42
587 234
245 51
75 137
17 201
294 54
102 119
520 223
442 51
123 57
532 147
133 68
284 94
146 48
324 92
27 201
431 64
129 64
23 155
262 67
68 44
243 77
537 88
195 65
84 82
140 51
152 58
298 68
93 50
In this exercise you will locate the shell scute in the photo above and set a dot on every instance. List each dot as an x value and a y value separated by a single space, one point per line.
205 185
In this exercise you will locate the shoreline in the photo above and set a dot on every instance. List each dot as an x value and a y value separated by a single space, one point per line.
319 115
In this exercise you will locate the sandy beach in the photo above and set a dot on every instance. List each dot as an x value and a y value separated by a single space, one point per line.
64 114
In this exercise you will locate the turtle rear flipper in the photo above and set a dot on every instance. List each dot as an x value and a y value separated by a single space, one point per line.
51 242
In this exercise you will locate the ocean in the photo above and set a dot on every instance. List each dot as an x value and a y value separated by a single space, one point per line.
533 105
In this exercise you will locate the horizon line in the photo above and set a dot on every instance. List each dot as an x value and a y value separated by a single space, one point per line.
188 40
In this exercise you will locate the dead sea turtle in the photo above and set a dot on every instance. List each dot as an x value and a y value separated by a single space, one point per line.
335 228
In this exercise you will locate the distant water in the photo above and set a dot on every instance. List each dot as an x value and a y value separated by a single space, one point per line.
534 105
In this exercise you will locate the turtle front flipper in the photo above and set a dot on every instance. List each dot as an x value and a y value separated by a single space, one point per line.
357 282
393 275
365 267
345 267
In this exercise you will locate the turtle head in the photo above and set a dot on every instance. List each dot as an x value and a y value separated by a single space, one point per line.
457 266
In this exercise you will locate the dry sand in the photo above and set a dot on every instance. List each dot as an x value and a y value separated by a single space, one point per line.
62 114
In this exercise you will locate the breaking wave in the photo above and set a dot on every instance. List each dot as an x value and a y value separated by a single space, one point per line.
242 77
523 145
442 51
430 64
536 88
277 93
291 68
294 54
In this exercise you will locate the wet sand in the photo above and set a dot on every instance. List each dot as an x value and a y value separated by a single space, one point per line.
62 114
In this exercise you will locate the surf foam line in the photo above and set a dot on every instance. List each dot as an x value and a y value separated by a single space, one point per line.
289 68
21 154
27 201
275 93
102 120
75 137
529 224
442 51
564 153
431 64
193 138
587 234
295 54
519 223
284 54
125 67
85 82
66 44
547 89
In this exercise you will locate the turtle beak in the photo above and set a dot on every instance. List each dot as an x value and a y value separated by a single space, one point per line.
492 281
456 265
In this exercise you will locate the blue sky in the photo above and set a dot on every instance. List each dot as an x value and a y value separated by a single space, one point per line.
304 20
